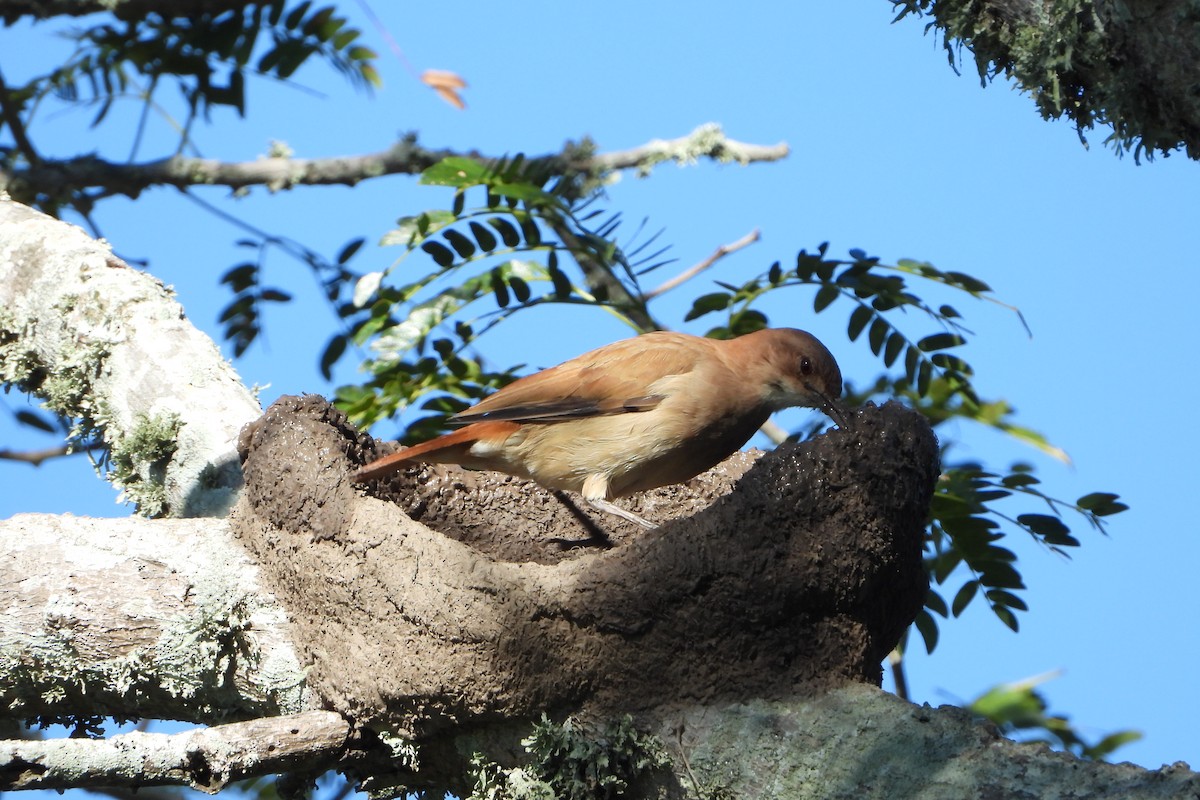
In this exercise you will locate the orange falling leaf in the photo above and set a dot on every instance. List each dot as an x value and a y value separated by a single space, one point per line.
446 84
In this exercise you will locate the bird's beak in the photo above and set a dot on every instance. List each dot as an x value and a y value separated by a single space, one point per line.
834 409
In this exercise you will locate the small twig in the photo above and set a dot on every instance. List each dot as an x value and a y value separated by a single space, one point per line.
13 120
722 251
36 457
687 766
773 431
895 660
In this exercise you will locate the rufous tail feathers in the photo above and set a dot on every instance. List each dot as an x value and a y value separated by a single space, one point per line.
447 449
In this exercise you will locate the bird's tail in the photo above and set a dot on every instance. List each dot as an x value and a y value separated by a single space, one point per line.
452 448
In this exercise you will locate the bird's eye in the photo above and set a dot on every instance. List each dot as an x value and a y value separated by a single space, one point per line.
805 367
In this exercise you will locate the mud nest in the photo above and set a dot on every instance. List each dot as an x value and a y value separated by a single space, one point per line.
445 596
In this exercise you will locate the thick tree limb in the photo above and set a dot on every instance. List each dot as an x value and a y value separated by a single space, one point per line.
105 344
136 618
207 759
856 743
51 178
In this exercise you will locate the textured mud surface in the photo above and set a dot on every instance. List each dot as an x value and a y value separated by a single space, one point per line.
446 596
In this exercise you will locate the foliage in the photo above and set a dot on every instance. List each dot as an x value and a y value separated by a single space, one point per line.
1070 56
509 249
514 249
206 57
1017 708
572 760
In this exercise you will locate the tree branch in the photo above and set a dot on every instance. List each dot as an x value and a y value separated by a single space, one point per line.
108 345
207 759
54 178
12 10
165 619
36 457
12 119
722 251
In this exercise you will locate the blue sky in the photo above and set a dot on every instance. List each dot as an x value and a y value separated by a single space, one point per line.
892 152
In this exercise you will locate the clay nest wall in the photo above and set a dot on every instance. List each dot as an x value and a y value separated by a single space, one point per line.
445 598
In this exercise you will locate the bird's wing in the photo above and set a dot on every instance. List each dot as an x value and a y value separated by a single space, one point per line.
614 379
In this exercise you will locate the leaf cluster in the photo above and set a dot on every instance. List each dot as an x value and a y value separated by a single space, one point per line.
206 57
530 244
1019 708
581 761
513 249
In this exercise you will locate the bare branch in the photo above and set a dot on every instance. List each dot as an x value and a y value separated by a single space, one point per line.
10 117
56 178
36 457
707 141
722 251
207 759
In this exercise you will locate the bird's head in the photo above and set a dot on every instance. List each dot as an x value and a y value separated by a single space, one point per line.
798 371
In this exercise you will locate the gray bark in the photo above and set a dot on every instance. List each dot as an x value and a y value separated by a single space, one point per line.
109 346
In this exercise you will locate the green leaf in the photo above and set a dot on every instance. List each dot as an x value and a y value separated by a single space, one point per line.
349 250
775 275
522 191
455 171
858 321
292 21
928 629
562 284
461 244
935 603
27 417
878 335
825 295
953 363
1007 617
1104 748
963 597
707 303
1044 525
508 232
241 277
485 238
1006 598
520 289
499 288
912 360
891 351
1101 504
1019 479
940 341
924 376
747 321
441 255
531 232
330 355
967 282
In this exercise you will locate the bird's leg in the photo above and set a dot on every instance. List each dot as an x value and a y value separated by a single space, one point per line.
613 508
595 491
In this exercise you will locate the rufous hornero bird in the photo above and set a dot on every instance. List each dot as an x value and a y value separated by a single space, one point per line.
640 413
